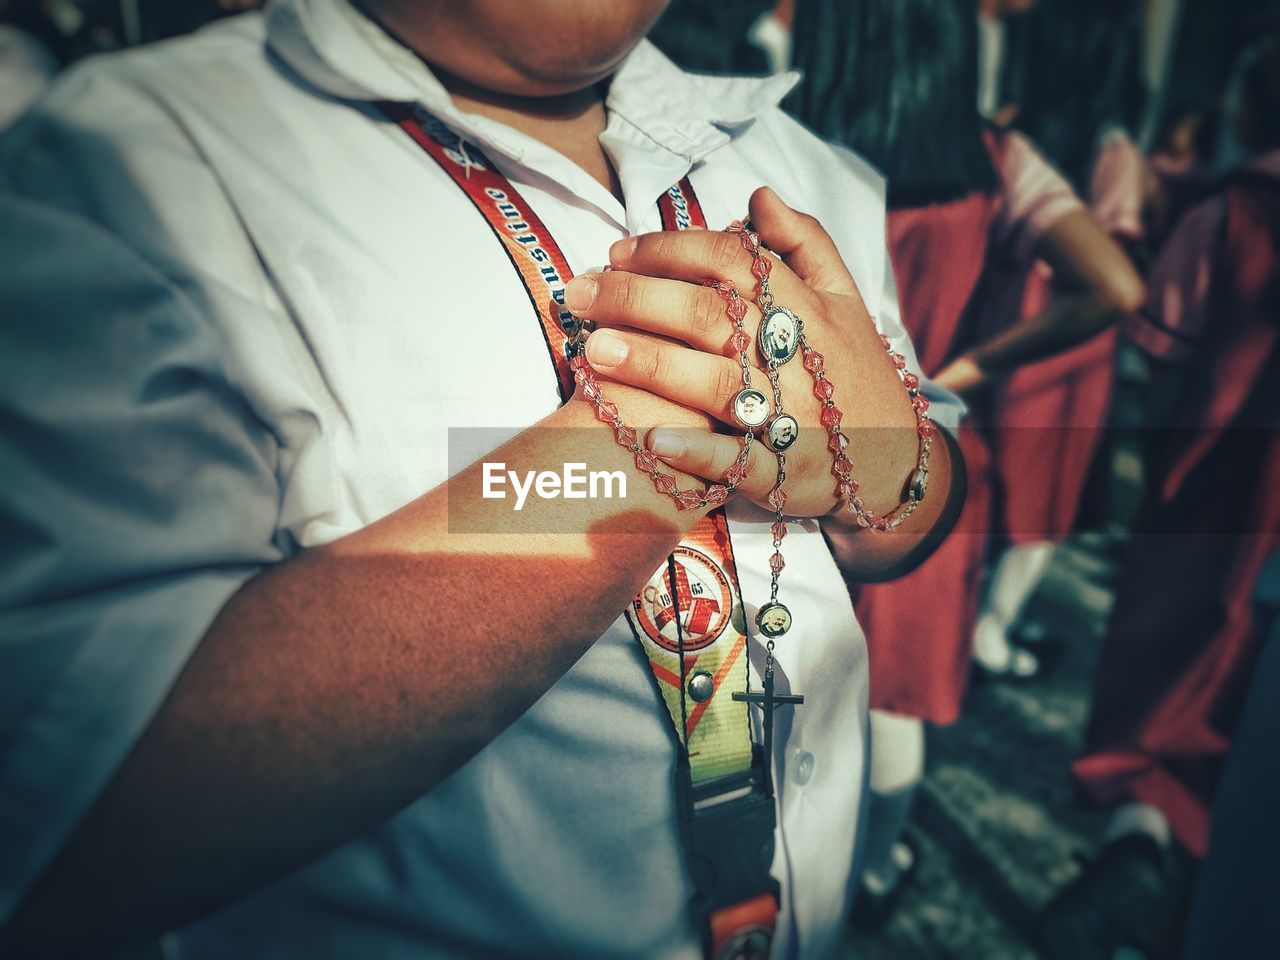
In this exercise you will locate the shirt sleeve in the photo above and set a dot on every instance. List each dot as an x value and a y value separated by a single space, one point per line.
140 492
1175 317
1034 195
945 407
1116 186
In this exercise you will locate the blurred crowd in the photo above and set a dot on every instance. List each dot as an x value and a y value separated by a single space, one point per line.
40 37
1076 187
1079 188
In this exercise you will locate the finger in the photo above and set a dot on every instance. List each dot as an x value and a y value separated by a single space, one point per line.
802 243
671 308
694 257
697 257
689 377
710 455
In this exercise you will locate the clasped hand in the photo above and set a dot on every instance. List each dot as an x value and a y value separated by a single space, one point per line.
661 329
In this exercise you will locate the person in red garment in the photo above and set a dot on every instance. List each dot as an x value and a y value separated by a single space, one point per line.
994 200
1182 640
1048 417
1181 168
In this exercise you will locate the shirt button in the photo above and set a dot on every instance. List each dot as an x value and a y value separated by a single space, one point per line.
804 768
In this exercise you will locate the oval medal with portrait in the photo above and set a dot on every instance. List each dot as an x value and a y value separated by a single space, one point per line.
783 432
779 335
773 620
751 408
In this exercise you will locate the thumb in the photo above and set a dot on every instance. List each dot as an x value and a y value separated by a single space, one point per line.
802 243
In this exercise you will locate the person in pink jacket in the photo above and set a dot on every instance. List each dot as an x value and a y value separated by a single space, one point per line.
957 220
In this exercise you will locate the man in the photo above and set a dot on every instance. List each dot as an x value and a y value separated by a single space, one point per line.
253 634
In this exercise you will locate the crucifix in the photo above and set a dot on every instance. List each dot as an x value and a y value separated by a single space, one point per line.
767 701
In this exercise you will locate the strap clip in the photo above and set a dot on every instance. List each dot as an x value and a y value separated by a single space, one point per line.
728 830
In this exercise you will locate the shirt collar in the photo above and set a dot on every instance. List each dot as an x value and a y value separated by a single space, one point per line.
344 54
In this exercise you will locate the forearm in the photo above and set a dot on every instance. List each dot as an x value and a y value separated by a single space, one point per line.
1069 319
1095 284
340 686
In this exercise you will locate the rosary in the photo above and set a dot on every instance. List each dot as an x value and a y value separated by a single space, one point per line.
780 337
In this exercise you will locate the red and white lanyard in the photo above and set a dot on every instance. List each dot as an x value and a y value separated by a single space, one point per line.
688 617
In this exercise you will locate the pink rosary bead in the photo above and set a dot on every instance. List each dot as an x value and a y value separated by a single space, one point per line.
689 499
842 467
778 498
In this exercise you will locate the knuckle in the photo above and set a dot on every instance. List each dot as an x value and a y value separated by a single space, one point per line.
763 466
727 381
653 249
627 296
657 365
802 463
811 224
725 249
702 313
723 453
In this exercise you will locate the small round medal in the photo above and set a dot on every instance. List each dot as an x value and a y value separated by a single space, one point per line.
774 619
779 335
783 432
918 484
751 407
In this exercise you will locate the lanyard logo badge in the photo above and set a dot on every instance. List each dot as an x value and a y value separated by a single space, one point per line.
702 595
713 731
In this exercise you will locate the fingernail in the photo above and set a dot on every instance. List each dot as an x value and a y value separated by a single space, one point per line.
666 442
580 293
605 349
623 249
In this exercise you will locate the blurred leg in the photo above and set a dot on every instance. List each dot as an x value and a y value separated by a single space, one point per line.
1016 576
897 766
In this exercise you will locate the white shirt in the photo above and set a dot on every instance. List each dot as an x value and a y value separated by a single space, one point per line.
222 272
26 69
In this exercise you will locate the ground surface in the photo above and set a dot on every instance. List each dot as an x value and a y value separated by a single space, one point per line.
996 819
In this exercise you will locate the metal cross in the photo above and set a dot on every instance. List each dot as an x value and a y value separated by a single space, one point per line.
767 700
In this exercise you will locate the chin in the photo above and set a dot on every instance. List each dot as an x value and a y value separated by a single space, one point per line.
534 48
560 46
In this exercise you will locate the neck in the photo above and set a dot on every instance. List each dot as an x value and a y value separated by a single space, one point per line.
570 123
581 110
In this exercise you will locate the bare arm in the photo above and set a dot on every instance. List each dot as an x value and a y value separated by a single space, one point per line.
1095 285
866 557
337 687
